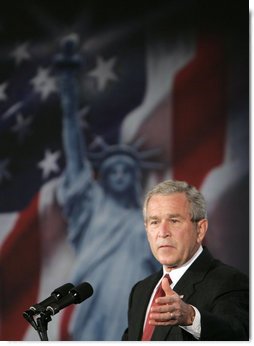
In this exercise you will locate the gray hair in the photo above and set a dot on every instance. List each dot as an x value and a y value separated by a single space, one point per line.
196 200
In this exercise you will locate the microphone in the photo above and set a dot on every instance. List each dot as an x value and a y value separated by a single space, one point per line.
35 309
56 295
76 295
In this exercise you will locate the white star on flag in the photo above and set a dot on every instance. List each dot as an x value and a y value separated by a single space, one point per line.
104 72
3 95
49 163
43 83
4 173
22 126
21 53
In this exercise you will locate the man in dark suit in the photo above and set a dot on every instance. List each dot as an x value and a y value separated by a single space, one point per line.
203 299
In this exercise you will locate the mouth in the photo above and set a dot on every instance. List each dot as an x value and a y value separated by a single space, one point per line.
165 247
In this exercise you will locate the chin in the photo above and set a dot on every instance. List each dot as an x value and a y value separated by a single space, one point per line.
167 262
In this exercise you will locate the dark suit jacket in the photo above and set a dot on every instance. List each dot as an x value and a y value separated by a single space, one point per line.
218 291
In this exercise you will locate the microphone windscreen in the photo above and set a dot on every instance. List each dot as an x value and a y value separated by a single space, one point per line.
82 292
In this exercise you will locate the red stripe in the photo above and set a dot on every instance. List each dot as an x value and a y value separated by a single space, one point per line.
65 323
199 113
20 273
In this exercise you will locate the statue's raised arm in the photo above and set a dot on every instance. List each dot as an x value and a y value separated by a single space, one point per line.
105 222
67 63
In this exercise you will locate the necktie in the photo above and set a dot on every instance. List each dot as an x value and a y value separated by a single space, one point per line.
148 330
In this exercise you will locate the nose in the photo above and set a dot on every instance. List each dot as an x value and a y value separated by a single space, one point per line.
164 230
119 172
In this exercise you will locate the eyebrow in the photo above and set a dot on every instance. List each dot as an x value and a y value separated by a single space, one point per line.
152 217
170 216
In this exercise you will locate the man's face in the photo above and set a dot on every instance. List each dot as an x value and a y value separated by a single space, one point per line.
172 236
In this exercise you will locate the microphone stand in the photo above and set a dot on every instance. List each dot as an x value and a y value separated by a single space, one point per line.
42 325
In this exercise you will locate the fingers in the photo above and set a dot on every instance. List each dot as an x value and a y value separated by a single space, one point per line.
166 312
162 313
166 287
164 316
169 299
170 310
163 319
164 308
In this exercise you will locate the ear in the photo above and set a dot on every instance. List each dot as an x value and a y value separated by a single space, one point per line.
202 227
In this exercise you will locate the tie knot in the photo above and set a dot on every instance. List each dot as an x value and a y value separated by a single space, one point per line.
167 276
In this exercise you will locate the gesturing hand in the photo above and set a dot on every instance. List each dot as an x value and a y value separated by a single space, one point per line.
171 309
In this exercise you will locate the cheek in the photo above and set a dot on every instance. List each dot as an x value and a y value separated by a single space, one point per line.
187 242
151 241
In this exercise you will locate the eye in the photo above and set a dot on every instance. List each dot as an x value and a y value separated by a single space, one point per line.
154 222
174 221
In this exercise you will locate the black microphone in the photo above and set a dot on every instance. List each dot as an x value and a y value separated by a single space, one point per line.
35 309
76 295
56 295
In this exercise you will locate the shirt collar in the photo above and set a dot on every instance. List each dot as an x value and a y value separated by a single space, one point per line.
177 273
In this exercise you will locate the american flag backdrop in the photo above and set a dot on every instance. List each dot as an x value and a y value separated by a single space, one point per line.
174 74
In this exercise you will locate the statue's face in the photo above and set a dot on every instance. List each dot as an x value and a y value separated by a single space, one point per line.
119 177
119 173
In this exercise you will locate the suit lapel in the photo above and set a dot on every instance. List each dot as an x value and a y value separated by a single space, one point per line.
195 273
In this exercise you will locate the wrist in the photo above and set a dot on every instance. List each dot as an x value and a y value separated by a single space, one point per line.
191 315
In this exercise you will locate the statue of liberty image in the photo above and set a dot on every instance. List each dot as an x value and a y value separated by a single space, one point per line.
105 223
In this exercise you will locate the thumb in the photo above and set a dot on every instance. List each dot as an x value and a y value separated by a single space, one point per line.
166 287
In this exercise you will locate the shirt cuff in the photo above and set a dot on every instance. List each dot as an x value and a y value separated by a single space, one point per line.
195 327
